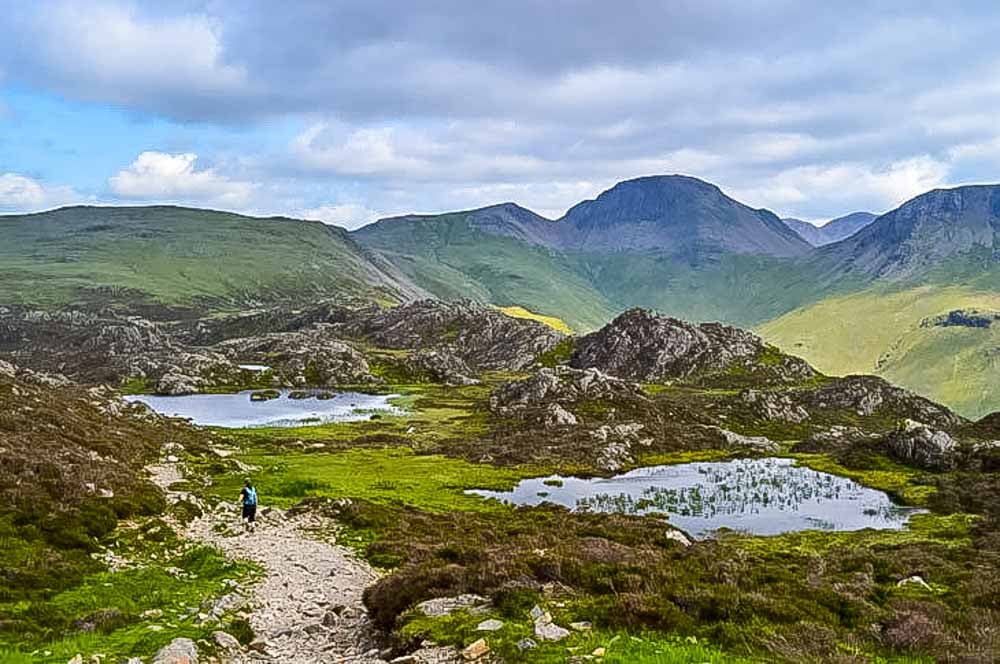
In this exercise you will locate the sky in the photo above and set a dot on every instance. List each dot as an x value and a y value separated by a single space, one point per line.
351 111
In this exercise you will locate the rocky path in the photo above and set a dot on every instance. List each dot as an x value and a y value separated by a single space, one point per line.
307 609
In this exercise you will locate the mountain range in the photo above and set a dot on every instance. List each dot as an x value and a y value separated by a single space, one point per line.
864 303
832 231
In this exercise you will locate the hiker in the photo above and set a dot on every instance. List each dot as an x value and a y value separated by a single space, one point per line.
248 498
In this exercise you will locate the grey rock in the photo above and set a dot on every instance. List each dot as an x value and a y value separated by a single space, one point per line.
870 395
918 444
753 443
490 625
557 416
178 651
444 606
774 406
226 642
549 631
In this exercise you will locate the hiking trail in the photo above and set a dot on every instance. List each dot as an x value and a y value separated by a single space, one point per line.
308 606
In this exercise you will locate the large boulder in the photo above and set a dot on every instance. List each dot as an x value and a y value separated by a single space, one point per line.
917 444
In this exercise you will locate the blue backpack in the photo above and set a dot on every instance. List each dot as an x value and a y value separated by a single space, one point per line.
251 497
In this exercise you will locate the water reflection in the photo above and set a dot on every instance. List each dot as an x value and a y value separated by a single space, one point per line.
761 496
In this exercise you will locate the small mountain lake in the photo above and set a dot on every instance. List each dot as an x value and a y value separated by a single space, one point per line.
238 411
759 496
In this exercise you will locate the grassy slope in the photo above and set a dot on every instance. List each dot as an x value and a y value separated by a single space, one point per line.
852 333
447 258
736 289
175 256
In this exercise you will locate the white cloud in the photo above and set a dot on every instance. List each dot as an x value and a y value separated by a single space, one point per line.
848 186
347 215
19 193
159 176
110 52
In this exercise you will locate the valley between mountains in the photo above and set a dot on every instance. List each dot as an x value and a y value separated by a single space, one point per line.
667 427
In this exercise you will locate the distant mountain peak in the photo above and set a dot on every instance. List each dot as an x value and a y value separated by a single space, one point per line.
677 214
831 231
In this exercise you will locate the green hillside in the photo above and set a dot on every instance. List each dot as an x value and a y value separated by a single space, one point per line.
446 256
179 257
879 330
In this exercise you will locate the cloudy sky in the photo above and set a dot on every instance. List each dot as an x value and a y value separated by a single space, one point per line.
346 111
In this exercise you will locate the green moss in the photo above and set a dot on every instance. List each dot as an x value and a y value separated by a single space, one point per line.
558 354
135 385
901 482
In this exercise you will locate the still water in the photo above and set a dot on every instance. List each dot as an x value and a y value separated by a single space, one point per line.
237 411
759 496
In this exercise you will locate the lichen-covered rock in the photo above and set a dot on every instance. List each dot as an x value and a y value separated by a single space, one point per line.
920 445
774 406
557 416
642 346
561 386
313 356
617 443
871 395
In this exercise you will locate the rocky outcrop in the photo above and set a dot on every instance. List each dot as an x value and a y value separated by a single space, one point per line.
643 346
563 387
313 356
481 336
963 318
917 444
439 366
835 439
617 443
871 395
774 406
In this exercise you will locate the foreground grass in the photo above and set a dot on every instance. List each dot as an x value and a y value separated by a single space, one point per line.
131 612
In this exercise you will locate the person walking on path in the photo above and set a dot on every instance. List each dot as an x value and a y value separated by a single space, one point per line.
248 498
